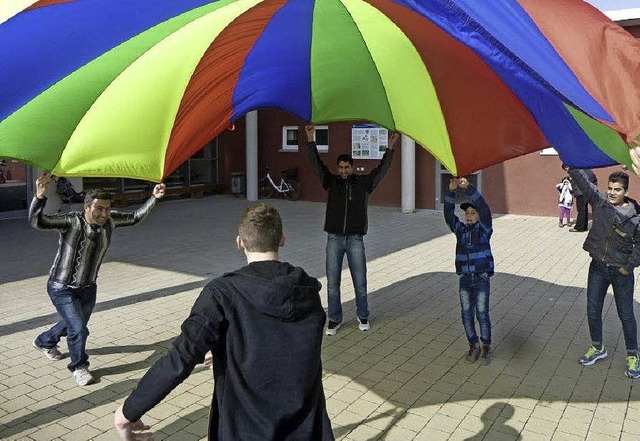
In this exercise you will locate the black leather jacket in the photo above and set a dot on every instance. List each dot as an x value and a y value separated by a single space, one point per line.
347 199
81 246
614 237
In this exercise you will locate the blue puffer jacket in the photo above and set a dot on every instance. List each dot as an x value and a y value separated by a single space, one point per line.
473 250
614 235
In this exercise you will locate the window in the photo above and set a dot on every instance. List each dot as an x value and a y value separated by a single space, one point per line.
322 138
290 138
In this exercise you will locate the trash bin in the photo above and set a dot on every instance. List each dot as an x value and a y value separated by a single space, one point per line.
237 183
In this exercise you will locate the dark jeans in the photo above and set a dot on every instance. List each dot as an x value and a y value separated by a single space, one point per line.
353 246
474 300
75 306
601 276
583 218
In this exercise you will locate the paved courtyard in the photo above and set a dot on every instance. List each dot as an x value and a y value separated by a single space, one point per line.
403 380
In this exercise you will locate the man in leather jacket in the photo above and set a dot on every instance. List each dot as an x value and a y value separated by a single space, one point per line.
84 239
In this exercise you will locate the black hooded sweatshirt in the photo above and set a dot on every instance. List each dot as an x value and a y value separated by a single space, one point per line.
263 324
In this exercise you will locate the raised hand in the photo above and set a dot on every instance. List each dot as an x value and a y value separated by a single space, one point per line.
42 185
310 130
158 190
392 140
453 184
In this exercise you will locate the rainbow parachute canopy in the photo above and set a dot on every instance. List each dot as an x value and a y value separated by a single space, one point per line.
132 88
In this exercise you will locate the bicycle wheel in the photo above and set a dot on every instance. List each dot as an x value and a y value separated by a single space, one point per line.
294 191
265 189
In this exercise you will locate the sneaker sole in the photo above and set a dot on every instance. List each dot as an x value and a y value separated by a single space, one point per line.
91 381
589 363
58 358
634 377
332 331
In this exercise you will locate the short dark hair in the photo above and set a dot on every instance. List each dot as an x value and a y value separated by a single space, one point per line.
620 177
345 157
466 205
260 228
96 193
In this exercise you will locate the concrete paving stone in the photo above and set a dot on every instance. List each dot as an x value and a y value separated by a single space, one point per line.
86 432
396 433
596 436
631 427
363 433
443 423
50 432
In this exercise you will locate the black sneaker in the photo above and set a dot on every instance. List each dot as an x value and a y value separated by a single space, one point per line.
332 328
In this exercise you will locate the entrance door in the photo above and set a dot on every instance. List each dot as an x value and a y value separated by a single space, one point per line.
442 185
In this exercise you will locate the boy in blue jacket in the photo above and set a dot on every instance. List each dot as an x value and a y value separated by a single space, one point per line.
474 264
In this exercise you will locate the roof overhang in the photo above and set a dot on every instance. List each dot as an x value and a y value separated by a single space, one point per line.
625 17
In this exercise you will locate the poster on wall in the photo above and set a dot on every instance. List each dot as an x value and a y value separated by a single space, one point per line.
368 141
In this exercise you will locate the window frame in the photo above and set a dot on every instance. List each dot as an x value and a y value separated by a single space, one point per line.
285 147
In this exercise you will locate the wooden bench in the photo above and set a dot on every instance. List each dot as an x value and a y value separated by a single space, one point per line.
195 191
122 199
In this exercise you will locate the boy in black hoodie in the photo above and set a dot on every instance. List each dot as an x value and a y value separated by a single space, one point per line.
263 324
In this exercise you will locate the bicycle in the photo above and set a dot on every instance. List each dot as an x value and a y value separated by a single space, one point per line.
289 186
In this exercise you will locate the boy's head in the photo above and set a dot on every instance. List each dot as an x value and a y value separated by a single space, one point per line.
260 229
470 213
617 187
345 165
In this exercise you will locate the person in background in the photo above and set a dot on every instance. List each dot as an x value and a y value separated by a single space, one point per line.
84 238
580 202
263 325
565 201
474 264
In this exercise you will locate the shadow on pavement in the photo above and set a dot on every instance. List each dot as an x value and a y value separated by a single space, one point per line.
51 319
411 360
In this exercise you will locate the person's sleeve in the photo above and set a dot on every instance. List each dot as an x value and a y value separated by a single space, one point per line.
39 220
589 190
484 212
319 169
125 219
381 170
559 188
449 211
201 332
634 259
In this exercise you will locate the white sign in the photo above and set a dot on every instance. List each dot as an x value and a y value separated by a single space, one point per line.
368 141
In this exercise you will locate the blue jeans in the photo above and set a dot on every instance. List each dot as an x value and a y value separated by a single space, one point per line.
601 276
353 246
75 306
474 301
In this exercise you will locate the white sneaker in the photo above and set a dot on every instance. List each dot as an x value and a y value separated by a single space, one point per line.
333 327
51 353
363 324
82 376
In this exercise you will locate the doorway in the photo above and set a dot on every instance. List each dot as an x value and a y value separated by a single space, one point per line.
442 185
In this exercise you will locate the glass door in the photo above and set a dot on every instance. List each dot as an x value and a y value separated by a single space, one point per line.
442 185
15 186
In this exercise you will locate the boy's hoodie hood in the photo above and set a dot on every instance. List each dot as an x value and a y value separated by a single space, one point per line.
277 289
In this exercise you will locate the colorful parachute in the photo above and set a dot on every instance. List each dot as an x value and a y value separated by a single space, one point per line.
132 88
